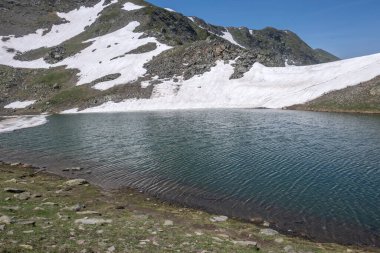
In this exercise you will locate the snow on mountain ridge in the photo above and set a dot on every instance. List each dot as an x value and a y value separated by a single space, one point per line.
260 87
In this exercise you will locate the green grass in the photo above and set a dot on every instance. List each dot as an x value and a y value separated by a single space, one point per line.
72 95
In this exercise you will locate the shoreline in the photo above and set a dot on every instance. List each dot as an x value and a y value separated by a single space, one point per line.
261 239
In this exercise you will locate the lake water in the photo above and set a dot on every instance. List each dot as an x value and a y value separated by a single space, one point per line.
310 174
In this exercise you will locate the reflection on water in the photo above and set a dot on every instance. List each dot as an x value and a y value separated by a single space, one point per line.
315 174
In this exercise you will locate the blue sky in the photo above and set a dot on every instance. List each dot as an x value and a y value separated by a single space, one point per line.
346 28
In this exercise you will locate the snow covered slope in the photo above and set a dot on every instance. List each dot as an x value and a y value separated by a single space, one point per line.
260 87
107 55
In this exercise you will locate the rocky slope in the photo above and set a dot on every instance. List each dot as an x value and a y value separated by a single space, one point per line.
60 55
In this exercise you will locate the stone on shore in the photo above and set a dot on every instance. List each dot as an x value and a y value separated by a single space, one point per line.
5 219
268 232
93 221
245 243
89 213
168 223
75 182
219 218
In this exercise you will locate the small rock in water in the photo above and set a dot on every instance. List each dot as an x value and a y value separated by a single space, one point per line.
73 169
93 221
5 219
75 182
13 190
268 232
219 218
168 223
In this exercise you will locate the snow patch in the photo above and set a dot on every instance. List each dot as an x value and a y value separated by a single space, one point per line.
132 7
171 10
19 104
99 59
191 19
260 87
14 123
228 36
70 111
77 21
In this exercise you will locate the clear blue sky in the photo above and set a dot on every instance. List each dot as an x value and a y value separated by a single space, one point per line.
346 28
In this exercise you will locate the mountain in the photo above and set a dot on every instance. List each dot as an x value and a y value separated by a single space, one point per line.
117 55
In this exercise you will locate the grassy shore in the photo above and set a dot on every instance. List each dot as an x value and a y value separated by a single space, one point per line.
40 212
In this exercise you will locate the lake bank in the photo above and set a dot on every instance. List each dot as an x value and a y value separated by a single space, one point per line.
48 213
230 162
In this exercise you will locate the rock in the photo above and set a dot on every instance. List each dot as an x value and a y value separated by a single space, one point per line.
289 249
15 164
27 223
89 213
75 208
266 224
93 221
217 239
11 208
2 227
219 218
279 240
75 182
23 196
25 246
268 232
38 209
13 190
28 232
13 181
73 169
168 223
5 219
111 249
246 243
